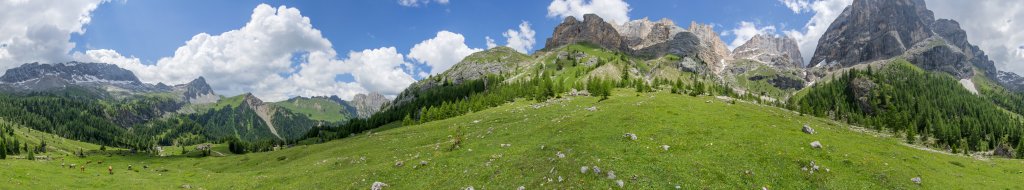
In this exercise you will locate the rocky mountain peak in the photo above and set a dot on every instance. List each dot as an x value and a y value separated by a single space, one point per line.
251 100
713 50
368 104
198 91
773 50
642 33
870 30
72 72
592 30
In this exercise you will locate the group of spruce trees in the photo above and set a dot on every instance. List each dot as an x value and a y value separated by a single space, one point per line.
928 107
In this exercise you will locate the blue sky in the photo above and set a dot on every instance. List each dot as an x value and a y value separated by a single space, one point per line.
282 49
150 30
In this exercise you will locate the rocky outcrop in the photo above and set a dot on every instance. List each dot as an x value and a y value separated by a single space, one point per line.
592 29
642 33
872 30
198 92
773 50
952 33
713 51
1011 81
368 104
943 58
263 110
861 88
683 44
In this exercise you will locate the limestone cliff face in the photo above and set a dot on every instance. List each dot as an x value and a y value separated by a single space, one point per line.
773 50
368 104
713 50
593 29
643 33
871 30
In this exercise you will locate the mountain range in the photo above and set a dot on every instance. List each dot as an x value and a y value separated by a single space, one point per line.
645 54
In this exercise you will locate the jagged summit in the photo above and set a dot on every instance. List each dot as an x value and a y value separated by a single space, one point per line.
368 104
73 72
870 30
777 51
593 29
198 91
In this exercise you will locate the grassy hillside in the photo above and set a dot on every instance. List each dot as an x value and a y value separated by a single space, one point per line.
321 109
713 144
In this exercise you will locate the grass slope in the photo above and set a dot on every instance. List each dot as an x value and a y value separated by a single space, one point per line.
713 145
320 109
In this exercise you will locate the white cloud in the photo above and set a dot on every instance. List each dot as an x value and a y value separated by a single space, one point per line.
442 51
614 11
416 3
798 6
996 26
825 11
261 58
521 40
490 42
40 30
745 32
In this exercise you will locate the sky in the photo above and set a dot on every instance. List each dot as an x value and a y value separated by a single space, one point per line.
282 49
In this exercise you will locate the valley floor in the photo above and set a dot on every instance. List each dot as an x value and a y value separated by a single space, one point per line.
681 142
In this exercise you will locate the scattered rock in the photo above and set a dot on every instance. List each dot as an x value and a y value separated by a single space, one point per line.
664 147
560 179
186 186
584 169
559 154
816 144
423 163
468 188
630 136
611 174
620 183
807 129
521 188
1003 150
916 180
506 145
575 92
597 170
679 187
399 164
592 108
378 185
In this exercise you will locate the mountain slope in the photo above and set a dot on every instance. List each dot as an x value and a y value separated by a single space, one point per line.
318 108
712 145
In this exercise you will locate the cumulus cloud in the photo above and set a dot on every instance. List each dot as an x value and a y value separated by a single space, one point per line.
442 51
40 30
996 26
521 40
490 42
416 3
798 6
825 11
614 11
276 55
746 31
